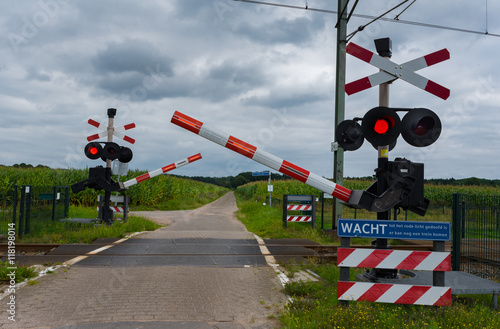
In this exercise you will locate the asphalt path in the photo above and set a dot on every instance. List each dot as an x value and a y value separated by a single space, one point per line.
203 270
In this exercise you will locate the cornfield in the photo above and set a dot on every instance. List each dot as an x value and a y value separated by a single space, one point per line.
440 195
147 193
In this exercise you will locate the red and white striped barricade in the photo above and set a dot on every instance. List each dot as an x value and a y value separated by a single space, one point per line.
115 200
394 293
114 208
299 209
392 71
437 261
394 259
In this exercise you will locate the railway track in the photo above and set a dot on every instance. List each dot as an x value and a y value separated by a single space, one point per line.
56 253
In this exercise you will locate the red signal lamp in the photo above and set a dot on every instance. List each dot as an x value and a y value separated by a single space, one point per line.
381 126
93 150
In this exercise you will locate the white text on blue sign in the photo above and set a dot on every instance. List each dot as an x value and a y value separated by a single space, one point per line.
385 229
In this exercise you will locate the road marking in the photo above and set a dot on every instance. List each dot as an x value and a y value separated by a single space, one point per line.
98 250
271 261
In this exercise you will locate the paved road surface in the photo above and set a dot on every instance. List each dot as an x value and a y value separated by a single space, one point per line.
202 271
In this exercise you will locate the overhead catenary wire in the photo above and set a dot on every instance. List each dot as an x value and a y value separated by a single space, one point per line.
397 16
362 27
434 26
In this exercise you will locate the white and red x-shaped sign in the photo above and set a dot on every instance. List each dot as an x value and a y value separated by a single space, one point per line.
116 132
392 71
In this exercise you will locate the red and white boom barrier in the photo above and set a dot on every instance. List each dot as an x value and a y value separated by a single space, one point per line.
360 199
161 170
260 156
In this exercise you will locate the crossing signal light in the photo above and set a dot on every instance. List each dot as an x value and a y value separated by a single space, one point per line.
349 135
110 151
93 150
125 154
421 127
381 126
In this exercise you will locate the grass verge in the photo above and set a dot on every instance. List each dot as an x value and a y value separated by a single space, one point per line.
267 223
46 231
22 273
66 232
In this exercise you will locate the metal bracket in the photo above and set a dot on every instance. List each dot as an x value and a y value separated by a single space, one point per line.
335 146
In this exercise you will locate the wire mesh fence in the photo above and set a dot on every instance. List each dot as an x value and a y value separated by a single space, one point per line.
8 202
476 235
31 207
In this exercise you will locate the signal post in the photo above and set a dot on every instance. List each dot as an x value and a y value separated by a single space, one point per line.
384 49
381 126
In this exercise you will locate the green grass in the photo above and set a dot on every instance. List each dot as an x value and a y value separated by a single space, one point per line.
47 231
22 273
266 222
65 232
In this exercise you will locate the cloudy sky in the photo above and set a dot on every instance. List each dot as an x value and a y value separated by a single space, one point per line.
264 74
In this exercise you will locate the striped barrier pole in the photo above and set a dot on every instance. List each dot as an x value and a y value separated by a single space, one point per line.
394 293
161 170
299 207
260 156
302 219
355 198
394 259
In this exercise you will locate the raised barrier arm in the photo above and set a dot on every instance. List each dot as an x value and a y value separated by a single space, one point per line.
161 170
354 198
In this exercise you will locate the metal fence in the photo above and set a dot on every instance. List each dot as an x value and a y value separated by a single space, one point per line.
476 235
8 213
30 207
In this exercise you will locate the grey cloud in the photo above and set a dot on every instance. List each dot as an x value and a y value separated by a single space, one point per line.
122 67
298 31
286 98
131 55
34 74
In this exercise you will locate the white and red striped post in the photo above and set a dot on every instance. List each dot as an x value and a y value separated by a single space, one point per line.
161 170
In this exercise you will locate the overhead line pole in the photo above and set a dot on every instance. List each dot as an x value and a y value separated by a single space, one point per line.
338 153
